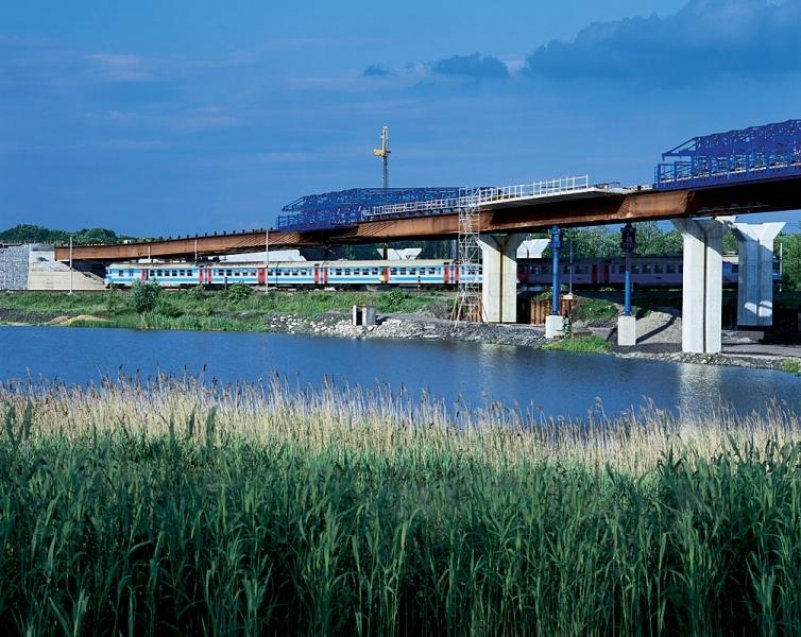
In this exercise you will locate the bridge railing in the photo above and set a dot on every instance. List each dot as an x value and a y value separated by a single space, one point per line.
482 196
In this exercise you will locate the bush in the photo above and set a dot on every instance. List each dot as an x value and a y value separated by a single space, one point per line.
238 292
165 308
144 297
582 345
792 366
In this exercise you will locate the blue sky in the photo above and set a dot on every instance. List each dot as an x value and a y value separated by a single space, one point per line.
198 116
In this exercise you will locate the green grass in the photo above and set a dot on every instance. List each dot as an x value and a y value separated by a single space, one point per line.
177 508
589 309
233 310
792 366
580 345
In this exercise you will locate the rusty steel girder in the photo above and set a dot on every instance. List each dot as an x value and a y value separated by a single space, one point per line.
643 205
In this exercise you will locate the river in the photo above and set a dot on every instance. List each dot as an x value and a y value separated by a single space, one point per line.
552 384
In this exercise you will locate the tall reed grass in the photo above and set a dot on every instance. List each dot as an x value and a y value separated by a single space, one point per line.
177 506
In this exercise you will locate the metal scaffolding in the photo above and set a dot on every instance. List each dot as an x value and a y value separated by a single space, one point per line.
752 154
468 300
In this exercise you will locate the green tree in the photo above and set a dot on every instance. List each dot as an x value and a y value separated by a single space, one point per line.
653 241
144 296
791 260
28 233
595 242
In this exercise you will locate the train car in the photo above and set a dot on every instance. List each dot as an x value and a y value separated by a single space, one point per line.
294 274
646 272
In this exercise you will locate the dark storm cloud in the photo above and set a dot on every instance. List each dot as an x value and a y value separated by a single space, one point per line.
471 65
705 40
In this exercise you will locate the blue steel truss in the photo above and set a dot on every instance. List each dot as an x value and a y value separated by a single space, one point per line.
346 208
751 154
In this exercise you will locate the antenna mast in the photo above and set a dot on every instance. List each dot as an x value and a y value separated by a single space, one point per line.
383 153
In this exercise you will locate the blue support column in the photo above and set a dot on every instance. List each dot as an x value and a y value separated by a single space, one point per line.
627 324
628 241
556 243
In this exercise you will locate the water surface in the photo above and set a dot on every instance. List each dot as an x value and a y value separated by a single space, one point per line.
554 384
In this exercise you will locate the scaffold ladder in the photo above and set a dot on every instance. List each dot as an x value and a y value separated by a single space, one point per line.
468 299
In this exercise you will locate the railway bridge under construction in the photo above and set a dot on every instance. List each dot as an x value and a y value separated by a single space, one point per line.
700 186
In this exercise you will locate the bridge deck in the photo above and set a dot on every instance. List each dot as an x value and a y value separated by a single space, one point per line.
584 206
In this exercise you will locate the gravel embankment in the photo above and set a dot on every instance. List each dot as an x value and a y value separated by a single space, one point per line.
659 337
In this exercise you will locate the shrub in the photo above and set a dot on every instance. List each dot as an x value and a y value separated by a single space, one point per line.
238 292
792 366
144 297
582 345
165 308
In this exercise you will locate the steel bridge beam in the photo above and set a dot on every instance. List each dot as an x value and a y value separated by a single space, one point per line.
646 205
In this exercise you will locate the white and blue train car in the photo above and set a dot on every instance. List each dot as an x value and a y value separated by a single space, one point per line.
295 274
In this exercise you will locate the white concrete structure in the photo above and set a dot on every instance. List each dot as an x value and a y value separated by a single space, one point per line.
702 282
47 274
554 326
499 274
626 331
275 255
755 272
532 248
400 254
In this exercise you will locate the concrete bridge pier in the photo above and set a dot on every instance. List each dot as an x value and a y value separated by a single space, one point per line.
755 272
499 268
702 281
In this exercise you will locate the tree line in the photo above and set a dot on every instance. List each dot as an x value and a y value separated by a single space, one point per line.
28 233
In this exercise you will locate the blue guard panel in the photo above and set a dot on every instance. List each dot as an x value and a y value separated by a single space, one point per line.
772 151
346 208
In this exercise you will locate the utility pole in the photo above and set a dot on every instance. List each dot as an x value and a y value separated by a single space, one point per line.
384 153
70 264
267 260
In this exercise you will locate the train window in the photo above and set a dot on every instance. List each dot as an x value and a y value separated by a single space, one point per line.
337 271
681 267
635 269
658 269
393 270
647 268
401 270
432 270
374 271
228 273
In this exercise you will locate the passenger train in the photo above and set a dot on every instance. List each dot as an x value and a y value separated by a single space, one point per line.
294 274
646 272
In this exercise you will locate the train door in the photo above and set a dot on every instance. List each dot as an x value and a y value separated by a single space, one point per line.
203 275
143 274
261 276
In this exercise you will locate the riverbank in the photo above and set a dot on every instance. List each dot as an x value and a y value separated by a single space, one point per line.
659 337
401 315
